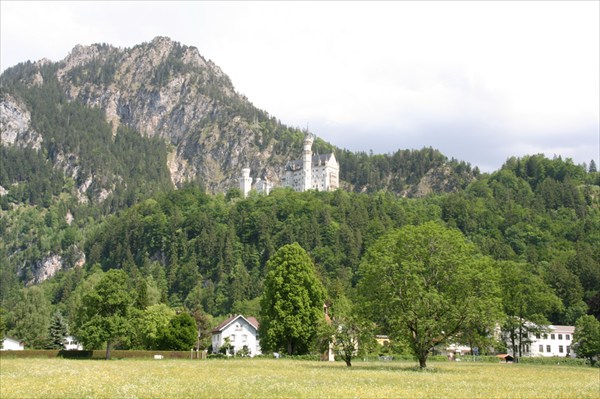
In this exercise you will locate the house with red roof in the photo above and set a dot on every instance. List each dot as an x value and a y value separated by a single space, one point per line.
241 333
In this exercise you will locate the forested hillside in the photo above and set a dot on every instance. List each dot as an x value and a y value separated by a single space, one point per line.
129 158
193 250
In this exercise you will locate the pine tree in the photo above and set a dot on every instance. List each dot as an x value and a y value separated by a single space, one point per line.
57 332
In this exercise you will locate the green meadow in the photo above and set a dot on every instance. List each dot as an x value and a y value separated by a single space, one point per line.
282 378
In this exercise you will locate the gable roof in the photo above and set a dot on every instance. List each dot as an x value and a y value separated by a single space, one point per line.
250 320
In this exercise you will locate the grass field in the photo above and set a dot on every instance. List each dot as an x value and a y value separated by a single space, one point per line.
270 378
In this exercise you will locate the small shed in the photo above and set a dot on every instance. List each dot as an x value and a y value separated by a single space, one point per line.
506 358
12 344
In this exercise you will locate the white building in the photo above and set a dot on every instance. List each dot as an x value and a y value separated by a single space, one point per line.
12 344
556 342
312 172
241 331
71 344
547 341
245 182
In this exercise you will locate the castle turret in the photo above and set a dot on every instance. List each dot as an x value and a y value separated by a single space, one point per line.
245 182
307 162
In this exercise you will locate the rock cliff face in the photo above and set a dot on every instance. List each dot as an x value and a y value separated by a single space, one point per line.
15 124
168 90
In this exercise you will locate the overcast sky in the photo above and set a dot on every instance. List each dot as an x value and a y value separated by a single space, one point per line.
480 81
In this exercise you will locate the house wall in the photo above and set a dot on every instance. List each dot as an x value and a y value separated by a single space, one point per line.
556 342
240 333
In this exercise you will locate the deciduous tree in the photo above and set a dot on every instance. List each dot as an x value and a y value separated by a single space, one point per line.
586 340
106 311
427 284
292 302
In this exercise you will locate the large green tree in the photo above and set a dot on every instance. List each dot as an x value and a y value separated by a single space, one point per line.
526 300
587 338
292 302
31 318
57 332
427 284
181 334
107 310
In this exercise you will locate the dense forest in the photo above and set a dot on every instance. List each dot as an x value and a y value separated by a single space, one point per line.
80 196
188 249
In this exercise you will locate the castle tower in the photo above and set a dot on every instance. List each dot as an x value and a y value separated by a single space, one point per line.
245 182
307 162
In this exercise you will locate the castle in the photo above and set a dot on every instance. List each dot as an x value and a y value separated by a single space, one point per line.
312 172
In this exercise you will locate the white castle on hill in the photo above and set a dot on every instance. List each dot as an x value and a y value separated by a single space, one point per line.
312 172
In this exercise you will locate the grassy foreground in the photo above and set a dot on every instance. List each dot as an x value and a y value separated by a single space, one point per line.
270 378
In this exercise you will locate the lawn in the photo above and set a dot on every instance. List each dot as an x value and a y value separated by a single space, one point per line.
270 378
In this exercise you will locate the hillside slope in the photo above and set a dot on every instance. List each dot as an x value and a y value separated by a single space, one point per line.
166 90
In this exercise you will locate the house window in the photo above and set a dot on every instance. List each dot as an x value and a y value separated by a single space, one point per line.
545 336
567 337
232 338
560 349
238 327
537 336
568 349
559 336
548 348
541 348
244 338
551 336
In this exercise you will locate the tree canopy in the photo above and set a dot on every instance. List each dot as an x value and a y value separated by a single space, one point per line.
426 284
292 302
107 310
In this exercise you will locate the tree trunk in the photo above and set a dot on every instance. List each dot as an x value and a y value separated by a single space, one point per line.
348 361
423 360
107 350
289 347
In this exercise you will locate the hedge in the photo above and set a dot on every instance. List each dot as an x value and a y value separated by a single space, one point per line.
96 354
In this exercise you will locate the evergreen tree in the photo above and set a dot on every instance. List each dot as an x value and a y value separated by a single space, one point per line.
57 332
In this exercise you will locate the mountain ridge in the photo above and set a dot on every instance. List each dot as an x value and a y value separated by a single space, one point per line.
167 90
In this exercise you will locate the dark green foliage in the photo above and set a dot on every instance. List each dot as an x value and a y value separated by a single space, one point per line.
181 333
292 302
427 284
106 312
30 318
57 332
586 341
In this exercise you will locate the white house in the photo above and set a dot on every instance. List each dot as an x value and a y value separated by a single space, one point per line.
12 344
556 342
71 344
241 331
